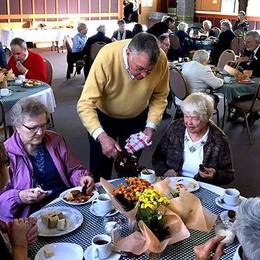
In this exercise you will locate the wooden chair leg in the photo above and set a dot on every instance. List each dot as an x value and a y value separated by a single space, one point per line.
247 128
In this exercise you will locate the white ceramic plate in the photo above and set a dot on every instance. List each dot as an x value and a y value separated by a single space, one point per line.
64 251
64 193
88 255
188 183
74 217
219 201
92 211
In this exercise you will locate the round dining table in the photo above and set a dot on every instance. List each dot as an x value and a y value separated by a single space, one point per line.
93 225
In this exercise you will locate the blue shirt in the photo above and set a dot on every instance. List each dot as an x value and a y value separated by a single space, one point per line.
79 42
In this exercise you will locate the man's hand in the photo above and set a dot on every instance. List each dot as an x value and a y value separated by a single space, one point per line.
242 59
212 246
30 196
170 173
20 67
109 146
88 182
208 173
149 132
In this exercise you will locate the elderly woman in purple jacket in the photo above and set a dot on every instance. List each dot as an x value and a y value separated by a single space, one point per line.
38 157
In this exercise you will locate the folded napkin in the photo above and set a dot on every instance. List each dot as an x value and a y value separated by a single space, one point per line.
137 142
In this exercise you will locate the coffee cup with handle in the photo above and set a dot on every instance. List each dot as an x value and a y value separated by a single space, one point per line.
102 204
101 246
4 92
149 175
231 197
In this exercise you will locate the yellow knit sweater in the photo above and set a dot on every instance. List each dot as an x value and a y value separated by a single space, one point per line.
109 88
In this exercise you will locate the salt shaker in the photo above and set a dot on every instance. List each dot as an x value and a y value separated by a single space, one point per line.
112 229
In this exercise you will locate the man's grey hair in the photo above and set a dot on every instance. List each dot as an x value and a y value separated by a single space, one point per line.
81 26
226 24
101 28
29 107
20 42
182 26
198 104
247 227
163 36
145 42
201 56
253 34
208 22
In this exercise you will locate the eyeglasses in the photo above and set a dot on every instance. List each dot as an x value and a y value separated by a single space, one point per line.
35 129
138 68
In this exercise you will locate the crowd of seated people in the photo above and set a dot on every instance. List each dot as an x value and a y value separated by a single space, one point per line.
122 33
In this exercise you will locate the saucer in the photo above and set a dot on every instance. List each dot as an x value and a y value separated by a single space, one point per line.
97 214
89 256
223 205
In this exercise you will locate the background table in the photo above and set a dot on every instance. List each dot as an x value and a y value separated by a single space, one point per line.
93 225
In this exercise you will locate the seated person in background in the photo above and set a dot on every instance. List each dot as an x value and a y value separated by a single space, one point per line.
206 28
224 40
121 33
198 74
136 29
247 232
2 57
165 26
192 141
241 22
184 38
250 59
98 37
76 54
37 157
164 42
20 232
26 62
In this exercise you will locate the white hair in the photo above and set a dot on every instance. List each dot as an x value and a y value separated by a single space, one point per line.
198 104
226 24
253 34
247 227
201 56
208 22
182 26
101 28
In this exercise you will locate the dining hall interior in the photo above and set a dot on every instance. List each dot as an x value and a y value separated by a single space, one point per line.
111 115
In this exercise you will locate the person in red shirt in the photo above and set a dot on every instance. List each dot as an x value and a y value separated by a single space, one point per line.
25 62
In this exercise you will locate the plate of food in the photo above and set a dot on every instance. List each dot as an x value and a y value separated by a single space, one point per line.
31 83
77 196
57 221
57 251
189 184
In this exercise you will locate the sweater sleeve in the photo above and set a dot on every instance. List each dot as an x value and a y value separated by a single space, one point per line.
38 71
158 100
211 80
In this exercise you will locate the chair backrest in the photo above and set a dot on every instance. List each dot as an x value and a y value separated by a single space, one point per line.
226 55
237 45
49 70
68 43
256 96
238 33
174 42
178 84
216 31
95 48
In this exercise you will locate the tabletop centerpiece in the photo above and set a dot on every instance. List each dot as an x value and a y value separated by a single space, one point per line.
5 75
238 71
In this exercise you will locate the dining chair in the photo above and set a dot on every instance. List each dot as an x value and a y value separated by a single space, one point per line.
49 70
246 108
225 57
95 48
216 31
237 45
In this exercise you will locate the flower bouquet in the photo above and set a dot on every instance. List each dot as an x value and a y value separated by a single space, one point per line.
238 72
5 75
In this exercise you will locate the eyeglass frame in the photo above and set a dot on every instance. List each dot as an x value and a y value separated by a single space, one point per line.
35 129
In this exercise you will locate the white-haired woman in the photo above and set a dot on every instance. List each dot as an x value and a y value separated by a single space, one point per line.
184 38
194 141
206 28
224 40
198 74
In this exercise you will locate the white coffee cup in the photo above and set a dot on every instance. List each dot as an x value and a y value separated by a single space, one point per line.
231 197
102 204
4 92
21 77
148 175
227 80
101 246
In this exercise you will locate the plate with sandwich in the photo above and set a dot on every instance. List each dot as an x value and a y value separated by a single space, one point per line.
57 221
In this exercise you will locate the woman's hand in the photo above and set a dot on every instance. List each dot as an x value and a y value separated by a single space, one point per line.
170 173
87 181
31 196
208 173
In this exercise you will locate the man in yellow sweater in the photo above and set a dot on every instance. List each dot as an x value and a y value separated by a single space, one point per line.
125 93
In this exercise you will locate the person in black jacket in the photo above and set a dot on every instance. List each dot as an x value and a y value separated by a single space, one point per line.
121 33
251 56
2 57
241 22
162 27
224 41
98 37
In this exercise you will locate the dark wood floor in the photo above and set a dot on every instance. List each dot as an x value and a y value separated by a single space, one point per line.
246 157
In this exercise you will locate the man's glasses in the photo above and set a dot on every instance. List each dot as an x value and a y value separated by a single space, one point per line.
35 129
